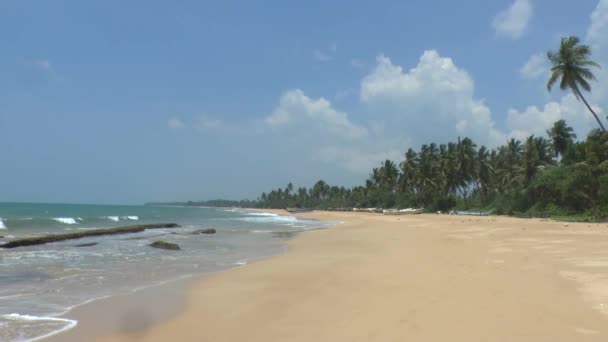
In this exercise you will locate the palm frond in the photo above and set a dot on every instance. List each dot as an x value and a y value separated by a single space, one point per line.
554 76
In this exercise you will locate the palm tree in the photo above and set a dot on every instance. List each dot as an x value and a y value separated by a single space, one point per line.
561 136
571 64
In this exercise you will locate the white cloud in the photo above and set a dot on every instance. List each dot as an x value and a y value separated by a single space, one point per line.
597 37
44 66
513 21
357 64
599 24
431 102
205 122
534 120
295 108
325 55
175 123
357 159
535 68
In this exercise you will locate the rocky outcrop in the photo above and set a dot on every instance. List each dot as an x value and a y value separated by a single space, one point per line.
40 240
165 245
204 231
88 244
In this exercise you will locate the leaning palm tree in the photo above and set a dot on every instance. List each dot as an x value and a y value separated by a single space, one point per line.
571 65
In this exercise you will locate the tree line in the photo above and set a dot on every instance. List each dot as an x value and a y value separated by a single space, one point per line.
553 175
538 175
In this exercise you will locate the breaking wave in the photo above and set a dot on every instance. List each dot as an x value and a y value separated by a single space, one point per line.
65 220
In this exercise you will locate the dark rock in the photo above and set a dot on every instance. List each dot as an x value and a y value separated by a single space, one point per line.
88 244
204 231
165 245
39 240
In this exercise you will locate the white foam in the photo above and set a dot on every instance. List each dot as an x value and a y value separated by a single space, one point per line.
261 231
241 262
113 218
263 214
65 220
133 218
2 226
70 323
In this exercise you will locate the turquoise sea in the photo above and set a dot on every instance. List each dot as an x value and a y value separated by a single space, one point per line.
40 283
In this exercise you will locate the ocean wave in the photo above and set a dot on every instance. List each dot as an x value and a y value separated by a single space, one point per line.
113 218
271 219
19 318
2 226
65 220
263 214
132 218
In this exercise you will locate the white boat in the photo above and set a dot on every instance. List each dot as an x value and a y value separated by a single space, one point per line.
408 211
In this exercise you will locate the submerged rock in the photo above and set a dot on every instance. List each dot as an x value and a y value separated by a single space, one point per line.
32 241
204 231
165 245
88 244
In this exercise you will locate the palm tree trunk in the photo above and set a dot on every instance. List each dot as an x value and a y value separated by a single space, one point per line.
591 110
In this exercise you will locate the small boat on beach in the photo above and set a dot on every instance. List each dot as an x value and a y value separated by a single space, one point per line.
471 213
408 211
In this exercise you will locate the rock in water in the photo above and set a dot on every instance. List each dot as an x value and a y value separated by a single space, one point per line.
165 245
88 244
204 231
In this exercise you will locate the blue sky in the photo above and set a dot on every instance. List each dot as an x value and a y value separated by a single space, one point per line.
127 102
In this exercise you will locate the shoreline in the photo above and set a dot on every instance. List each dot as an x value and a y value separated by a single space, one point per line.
159 302
455 278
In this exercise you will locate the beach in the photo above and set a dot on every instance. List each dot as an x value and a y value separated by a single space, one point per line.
387 278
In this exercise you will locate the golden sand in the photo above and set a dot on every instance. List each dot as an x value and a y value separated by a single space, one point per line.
408 278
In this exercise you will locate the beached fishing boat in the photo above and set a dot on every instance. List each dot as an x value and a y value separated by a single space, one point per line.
471 213
408 211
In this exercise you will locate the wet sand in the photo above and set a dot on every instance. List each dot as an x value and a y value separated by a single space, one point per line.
395 278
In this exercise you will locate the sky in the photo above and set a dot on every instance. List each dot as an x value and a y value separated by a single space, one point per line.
128 102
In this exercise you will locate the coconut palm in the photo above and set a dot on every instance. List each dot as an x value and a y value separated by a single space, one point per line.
571 65
561 136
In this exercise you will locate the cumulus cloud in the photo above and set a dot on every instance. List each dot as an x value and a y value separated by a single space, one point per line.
175 123
357 159
599 24
597 37
536 67
434 101
295 108
325 55
534 120
512 22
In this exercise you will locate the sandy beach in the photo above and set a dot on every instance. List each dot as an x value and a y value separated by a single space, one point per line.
393 278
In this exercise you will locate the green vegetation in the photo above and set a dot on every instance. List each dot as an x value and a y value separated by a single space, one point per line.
553 176
570 65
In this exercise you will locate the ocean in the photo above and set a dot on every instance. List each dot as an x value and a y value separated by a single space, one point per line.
38 284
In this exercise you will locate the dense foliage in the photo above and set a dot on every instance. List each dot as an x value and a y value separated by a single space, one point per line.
539 175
